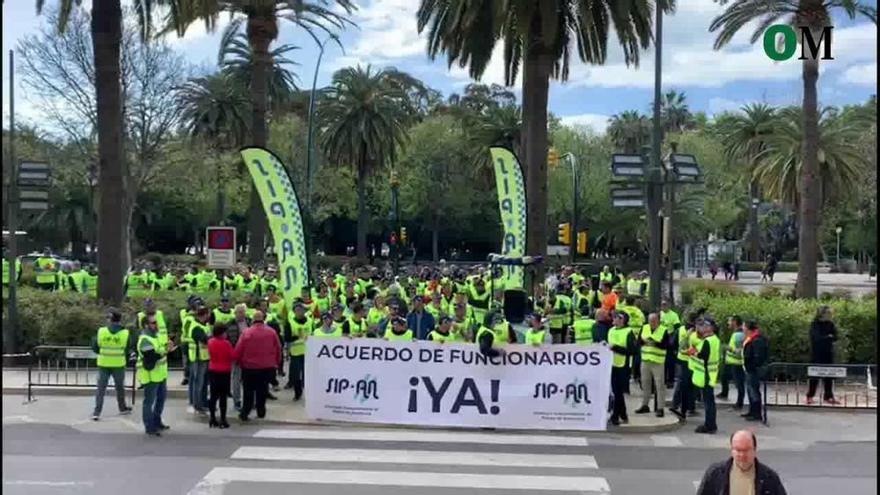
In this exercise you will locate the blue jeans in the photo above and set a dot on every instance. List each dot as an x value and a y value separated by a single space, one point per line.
683 396
198 384
104 375
709 407
753 387
154 403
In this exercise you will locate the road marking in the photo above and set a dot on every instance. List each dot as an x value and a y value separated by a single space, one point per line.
215 480
666 441
416 457
47 483
421 436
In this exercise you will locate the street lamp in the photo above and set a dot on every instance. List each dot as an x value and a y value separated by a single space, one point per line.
838 230
572 162
395 212
310 152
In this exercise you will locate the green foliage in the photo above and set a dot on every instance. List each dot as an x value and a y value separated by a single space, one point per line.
787 322
690 289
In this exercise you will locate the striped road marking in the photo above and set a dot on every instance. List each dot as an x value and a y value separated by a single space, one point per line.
421 436
415 457
213 483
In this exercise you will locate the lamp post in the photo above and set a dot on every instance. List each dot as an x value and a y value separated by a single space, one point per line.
310 152
838 230
395 212
572 162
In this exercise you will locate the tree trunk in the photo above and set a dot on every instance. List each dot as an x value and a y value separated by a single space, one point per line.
363 218
260 31
536 87
435 238
754 234
808 244
106 42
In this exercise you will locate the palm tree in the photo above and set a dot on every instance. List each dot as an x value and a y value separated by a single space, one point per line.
815 15
540 36
629 131
675 113
237 59
745 135
495 126
262 18
106 31
842 162
364 116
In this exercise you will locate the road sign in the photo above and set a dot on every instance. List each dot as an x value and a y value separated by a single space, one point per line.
221 247
33 174
826 372
79 354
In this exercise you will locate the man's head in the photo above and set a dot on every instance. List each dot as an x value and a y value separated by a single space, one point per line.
398 324
654 320
149 306
299 309
151 324
203 314
240 312
734 323
358 310
326 319
707 327
744 449
418 303
445 324
114 315
751 327
224 302
664 306
621 319
606 287
259 316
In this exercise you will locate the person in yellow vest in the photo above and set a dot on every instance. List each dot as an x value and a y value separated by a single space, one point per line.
622 343
224 314
152 373
493 335
323 300
653 343
355 325
732 362
463 324
150 310
537 335
443 332
112 345
297 332
557 312
682 395
670 319
377 312
479 298
187 316
199 332
606 275
327 330
6 270
76 280
583 330
46 269
708 357
398 331
435 307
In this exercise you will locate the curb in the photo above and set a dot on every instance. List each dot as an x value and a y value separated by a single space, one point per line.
666 426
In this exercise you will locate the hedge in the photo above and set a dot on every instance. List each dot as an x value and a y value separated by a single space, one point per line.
787 323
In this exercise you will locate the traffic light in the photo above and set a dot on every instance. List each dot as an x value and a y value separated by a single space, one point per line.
565 233
403 235
582 242
552 158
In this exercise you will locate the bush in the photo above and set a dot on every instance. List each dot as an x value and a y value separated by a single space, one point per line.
689 288
786 322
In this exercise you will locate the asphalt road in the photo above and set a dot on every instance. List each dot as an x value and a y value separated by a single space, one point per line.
53 459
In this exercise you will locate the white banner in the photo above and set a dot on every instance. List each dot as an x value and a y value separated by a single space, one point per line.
558 387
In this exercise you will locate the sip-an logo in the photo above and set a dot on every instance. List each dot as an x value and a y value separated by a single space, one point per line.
573 394
785 50
364 389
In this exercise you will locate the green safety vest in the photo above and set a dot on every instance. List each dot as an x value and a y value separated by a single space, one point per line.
375 316
734 354
683 343
406 336
162 327
92 284
633 286
606 276
694 341
357 329
559 314
669 318
462 329
78 280
231 283
301 331
137 283
652 354
6 270
222 317
249 286
499 333
699 375
535 337
111 348
617 337
434 311
322 334
323 303
436 336
583 331
482 299
45 268
159 373
197 351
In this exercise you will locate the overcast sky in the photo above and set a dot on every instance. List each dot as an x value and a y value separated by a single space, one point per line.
713 81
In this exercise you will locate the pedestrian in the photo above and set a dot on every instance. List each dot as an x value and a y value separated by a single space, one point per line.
199 332
419 320
705 372
823 334
733 362
742 474
670 319
219 374
771 266
756 352
653 351
112 345
152 371
398 331
493 335
298 330
258 352
713 269
233 332
609 298
604 320
623 344
537 335
682 396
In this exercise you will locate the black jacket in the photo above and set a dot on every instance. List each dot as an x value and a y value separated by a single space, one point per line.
822 337
716 481
756 355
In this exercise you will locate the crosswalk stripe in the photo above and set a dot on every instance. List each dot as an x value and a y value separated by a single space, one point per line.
421 436
416 457
666 441
219 476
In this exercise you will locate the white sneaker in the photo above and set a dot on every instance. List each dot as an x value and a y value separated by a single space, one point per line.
95 417
191 410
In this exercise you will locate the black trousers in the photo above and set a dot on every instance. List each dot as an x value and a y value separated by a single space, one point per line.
828 383
619 381
219 384
739 377
255 385
669 367
296 374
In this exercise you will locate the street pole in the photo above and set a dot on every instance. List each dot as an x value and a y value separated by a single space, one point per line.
838 230
310 152
10 329
654 184
394 204
574 211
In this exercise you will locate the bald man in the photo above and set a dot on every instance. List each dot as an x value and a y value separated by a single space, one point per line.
742 474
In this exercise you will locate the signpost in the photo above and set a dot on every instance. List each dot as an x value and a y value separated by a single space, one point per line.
221 247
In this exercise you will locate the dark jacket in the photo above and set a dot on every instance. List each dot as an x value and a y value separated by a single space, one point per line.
716 481
822 337
756 354
600 331
233 333
420 323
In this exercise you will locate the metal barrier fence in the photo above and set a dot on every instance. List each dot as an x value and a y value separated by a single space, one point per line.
787 384
67 367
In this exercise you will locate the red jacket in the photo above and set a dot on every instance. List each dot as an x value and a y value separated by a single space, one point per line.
258 348
221 352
